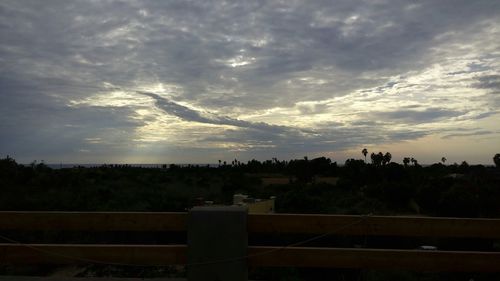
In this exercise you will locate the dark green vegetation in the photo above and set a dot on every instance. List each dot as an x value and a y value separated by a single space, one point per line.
381 187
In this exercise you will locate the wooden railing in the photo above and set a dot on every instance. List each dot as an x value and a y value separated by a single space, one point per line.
257 223
13 252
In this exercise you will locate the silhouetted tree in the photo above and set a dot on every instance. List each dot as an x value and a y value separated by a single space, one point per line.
353 168
301 169
406 161
443 160
380 158
8 168
365 152
320 165
414 161
496 160
386 159
463 168
377 159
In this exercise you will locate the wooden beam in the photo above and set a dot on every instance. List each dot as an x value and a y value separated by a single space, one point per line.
258 256
93 221
257 223
374 225
139 255
376 259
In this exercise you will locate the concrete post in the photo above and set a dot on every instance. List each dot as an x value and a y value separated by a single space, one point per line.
217 234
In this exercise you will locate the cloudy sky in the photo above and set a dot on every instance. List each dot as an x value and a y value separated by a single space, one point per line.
198 81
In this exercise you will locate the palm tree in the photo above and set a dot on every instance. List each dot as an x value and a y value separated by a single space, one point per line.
365 152
377 159
387 158
496 159
414 161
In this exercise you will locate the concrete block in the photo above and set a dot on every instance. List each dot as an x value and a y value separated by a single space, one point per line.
217 241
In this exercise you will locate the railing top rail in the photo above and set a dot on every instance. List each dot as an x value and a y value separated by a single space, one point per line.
257 223
94 221
376 225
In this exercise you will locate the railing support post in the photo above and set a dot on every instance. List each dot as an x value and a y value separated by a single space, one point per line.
217 244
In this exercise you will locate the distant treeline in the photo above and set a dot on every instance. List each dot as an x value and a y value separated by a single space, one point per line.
379 187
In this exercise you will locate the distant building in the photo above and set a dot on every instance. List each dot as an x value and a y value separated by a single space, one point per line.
272 178
255 206
327 180
275 181
200 201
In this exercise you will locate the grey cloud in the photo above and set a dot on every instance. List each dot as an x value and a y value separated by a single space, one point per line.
180 42
364 123
188 114
178 110
411 106
262 138
292 144
471 68
53 52
35 125
313 109
476 133
415 116
485 115
488 82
